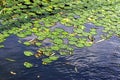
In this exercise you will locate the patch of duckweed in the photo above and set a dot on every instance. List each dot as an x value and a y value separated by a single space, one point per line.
26 17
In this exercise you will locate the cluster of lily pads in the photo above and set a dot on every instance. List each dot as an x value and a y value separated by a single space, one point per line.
37 17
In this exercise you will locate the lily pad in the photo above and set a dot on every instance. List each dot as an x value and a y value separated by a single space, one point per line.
53 58
28 53
28 65
38 44
27 43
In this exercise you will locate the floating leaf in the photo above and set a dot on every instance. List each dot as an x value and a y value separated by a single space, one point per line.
38 44
55 48
80 45
72 42
88 44
46 60
53 58
27 43
28 53
58 41
28 65
63 53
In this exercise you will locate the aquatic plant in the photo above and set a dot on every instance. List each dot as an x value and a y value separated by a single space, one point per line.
38 17
28 65
28 53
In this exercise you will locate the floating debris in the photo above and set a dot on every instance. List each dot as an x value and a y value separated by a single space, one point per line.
91 38
13 73
100 40
76 70
9 59
38 76
33 41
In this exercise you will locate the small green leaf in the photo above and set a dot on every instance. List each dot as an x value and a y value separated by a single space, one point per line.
27 43
53 58
28 65
80 45
55 48
28 53
46 60
58 41
72 42
38 44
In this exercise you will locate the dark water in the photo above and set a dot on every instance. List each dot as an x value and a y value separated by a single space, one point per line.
99 62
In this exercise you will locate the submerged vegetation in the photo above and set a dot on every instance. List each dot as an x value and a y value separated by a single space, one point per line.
38 17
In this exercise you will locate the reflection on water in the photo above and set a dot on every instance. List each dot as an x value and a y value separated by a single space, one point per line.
99 62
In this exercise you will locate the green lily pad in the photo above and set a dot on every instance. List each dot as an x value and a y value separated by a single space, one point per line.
80 45
72 42
58 41
55 48
28 53
53 58
28 65
38 44
27 43
21 35
46 61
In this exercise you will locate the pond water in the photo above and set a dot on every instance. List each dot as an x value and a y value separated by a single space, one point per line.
99 62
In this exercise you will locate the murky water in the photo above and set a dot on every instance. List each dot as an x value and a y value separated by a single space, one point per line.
99 62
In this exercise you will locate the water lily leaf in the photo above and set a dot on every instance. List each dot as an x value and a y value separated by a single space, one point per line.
42 37
63 53
21 35
78 30
80 45
28 65
88 44
38 44
55 48
27 33
58 41
65 20
27 43
73 39
28 53
72 42
58 30
47 53
46 60
53 58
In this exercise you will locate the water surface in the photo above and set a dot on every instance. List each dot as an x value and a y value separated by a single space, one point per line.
99 62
